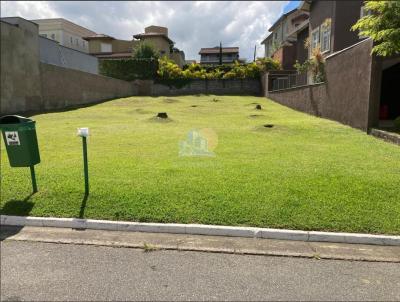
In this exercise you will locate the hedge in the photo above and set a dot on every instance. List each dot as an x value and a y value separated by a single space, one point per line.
129 69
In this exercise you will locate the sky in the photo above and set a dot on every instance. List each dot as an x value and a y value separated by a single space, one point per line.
192 24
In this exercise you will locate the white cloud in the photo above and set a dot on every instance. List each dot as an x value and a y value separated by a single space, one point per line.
192 25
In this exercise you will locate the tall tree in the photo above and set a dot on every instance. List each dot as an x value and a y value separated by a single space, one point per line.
382 25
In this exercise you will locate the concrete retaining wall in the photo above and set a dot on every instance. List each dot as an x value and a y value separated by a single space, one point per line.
63 87
350 94
29 85
309 99
20 74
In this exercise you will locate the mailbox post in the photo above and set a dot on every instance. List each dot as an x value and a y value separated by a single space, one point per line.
19 135
84 133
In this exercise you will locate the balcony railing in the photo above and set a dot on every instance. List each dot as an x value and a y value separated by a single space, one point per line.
286 79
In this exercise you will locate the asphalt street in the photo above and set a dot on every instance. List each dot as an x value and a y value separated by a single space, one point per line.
49 271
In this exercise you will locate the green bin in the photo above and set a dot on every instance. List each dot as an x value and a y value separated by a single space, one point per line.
19 135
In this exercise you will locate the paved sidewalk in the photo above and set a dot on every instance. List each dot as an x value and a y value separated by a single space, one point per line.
237 245
69 272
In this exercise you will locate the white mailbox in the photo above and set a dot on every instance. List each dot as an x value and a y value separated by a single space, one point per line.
83 132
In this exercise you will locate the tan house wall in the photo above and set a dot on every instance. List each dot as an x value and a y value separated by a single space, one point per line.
156 29
177 58
64 30
117 45
158 43
94 45
122 46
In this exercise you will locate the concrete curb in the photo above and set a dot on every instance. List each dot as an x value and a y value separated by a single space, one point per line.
199 229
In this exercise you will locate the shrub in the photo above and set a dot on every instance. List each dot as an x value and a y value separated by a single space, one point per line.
316 64
168 69
397 123
129 69
266 64
145 51
170 74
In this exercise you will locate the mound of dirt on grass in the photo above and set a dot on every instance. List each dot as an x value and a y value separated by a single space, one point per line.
142 111
216 100
256 115
161 117
155 119
171 101
265 128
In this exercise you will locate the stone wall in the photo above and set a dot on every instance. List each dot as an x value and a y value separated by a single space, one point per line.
219 87
350 94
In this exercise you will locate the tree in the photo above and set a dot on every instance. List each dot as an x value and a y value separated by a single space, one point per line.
382 26
145 51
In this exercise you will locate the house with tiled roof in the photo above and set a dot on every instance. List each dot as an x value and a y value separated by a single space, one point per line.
109 48
211 56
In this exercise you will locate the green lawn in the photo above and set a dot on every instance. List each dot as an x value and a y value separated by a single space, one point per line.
304 173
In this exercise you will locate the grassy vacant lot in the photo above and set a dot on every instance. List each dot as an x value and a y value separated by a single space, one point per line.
304 173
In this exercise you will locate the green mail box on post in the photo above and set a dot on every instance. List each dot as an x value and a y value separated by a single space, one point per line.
19 135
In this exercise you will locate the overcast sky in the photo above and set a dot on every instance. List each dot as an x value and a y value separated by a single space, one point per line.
192 25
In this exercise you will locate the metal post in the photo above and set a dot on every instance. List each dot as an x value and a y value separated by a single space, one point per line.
33 177
85 165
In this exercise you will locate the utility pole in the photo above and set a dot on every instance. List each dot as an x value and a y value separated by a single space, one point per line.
220 53
255 52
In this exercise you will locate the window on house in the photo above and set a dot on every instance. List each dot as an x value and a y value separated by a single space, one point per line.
326 36
105 47
363 13
315 38
71 40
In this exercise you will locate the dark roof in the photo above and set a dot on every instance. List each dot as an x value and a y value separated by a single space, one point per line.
281 18
99 37
144 35
216 50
